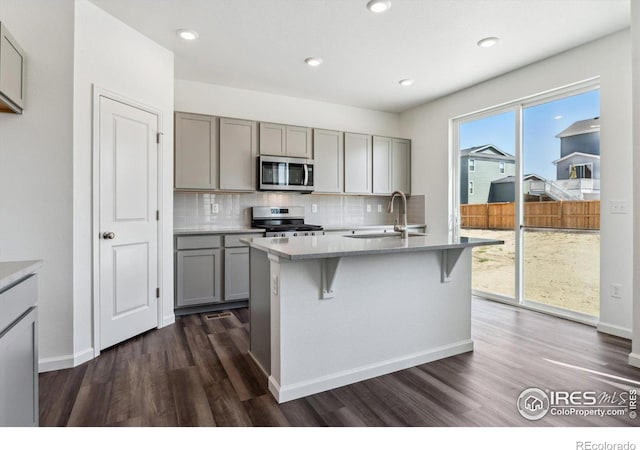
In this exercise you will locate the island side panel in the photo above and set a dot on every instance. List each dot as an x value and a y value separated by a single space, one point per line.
389 312
259 309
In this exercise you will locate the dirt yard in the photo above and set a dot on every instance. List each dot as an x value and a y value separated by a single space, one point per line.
562 268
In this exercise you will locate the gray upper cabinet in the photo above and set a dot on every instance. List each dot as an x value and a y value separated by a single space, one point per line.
357 163
273 138
299 142
328 150
391 165
238 153
12 62
382 147
197 153
285 140
401 166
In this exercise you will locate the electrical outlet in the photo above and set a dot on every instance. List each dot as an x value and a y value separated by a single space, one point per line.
616 290
618 207
379 208
215 208
368 208
314 208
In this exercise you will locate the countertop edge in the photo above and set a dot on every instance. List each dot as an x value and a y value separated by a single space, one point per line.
374 251
186 232
21 270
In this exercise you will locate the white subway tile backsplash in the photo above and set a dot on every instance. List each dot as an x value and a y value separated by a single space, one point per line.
193 209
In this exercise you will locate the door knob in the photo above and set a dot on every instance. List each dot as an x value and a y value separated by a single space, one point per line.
108 235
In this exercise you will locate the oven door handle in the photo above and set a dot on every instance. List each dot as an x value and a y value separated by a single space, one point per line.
306 175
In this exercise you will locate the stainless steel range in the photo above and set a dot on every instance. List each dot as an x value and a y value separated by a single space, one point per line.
283 221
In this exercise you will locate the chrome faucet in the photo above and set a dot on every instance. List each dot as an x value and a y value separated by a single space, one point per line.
401 227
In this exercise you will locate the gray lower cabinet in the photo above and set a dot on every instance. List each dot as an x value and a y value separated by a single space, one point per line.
238 154
211 269
236 273
19 355
328 150
12 62
357 163
199 277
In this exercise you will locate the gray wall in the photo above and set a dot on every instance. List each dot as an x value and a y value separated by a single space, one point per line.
583 143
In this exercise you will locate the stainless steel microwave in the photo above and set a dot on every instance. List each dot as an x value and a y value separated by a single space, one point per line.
278 173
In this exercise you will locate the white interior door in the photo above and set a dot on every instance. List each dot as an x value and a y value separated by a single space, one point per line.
128 226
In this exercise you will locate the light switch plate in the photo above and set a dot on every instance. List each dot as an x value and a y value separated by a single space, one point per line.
379 208
314 208
215 208
368 208
618 207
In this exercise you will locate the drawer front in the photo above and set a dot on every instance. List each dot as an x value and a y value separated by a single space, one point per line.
233 240
199 241
17 300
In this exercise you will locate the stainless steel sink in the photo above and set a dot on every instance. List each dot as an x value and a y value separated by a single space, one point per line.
392 234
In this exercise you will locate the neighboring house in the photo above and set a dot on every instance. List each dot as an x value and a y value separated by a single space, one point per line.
578 168
479 167
504 189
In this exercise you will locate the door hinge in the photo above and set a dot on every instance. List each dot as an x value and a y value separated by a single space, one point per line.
158 137
157 214
157 292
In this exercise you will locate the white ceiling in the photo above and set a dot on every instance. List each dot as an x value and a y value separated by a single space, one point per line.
261 44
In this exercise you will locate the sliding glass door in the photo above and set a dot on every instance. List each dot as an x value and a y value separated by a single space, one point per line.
561 203
487 166
529 174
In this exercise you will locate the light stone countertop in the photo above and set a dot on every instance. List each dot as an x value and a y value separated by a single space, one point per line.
317 247
216 230
369 227
14 271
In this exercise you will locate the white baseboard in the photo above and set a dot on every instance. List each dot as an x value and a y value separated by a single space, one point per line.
614 330
320 384
168 320
65 361
634 359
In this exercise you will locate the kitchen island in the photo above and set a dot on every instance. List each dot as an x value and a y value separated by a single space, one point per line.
327 311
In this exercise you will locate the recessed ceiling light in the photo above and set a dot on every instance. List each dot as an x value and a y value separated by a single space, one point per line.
313 61
406 82
378 6
187 35
487 42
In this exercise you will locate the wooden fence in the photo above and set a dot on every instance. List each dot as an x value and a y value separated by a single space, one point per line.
580 215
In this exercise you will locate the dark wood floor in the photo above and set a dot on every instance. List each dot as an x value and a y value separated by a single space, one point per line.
197 373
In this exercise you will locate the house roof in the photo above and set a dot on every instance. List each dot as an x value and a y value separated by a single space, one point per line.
488 151
581 127
512 178
574 154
